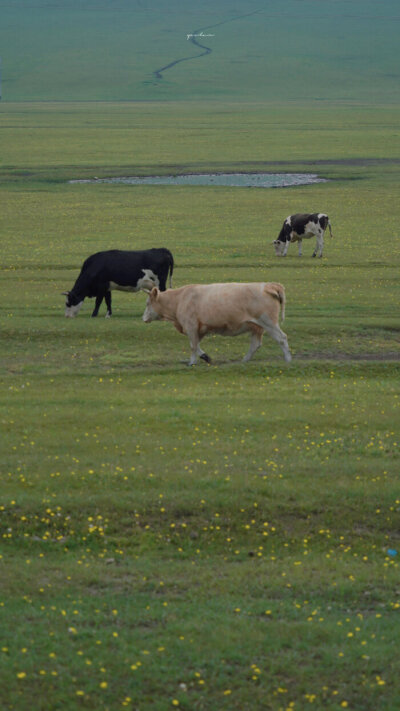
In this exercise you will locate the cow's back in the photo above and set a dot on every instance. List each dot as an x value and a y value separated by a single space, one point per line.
125 265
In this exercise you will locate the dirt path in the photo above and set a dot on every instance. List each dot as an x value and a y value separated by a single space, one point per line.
388 356
193 38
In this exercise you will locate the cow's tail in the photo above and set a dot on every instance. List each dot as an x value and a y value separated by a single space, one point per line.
171 269
278 292
330 227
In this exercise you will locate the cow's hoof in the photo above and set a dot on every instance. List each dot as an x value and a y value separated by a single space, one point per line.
108 315
205 357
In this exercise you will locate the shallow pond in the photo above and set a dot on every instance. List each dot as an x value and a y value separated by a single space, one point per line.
241 180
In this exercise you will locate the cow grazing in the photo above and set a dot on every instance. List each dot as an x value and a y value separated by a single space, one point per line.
224 309
299 227
121 270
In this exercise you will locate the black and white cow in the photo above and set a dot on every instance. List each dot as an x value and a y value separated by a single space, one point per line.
122 270
299 227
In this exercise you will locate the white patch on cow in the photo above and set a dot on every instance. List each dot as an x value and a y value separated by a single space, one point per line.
149 280
72 311
146 282
311 229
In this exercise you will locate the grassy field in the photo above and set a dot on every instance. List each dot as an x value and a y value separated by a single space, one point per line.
222 537
69 50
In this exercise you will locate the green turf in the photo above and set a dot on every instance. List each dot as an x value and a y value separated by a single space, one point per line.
216 537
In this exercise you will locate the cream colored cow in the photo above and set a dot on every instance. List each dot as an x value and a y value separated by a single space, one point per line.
224 309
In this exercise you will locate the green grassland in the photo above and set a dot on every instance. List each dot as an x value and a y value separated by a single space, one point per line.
291 50
213 537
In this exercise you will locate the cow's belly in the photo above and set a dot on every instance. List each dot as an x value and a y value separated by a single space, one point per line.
147 281
224 330
294 237
117 287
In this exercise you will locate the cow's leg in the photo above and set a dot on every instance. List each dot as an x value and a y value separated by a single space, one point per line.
255 343
300 246
277 334
162 278
281 338
319 245
194 345
194 339
99 299
108 303
284 253
203 355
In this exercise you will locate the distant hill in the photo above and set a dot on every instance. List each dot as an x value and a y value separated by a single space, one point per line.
124 50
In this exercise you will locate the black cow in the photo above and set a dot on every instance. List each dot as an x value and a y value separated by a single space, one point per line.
116 269
299 227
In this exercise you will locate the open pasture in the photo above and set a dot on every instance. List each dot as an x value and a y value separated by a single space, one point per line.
221 537
67 50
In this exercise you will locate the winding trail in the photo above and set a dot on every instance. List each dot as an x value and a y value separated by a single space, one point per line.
192 37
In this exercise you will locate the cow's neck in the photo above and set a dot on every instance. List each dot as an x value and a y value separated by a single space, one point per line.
78 294
169 304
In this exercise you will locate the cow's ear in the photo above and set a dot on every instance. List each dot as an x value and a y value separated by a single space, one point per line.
65 293
154 294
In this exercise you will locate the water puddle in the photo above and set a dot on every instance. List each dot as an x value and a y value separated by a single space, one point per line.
240 180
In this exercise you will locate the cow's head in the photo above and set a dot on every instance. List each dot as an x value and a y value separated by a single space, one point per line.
279 247
72 305
148 280
150 312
